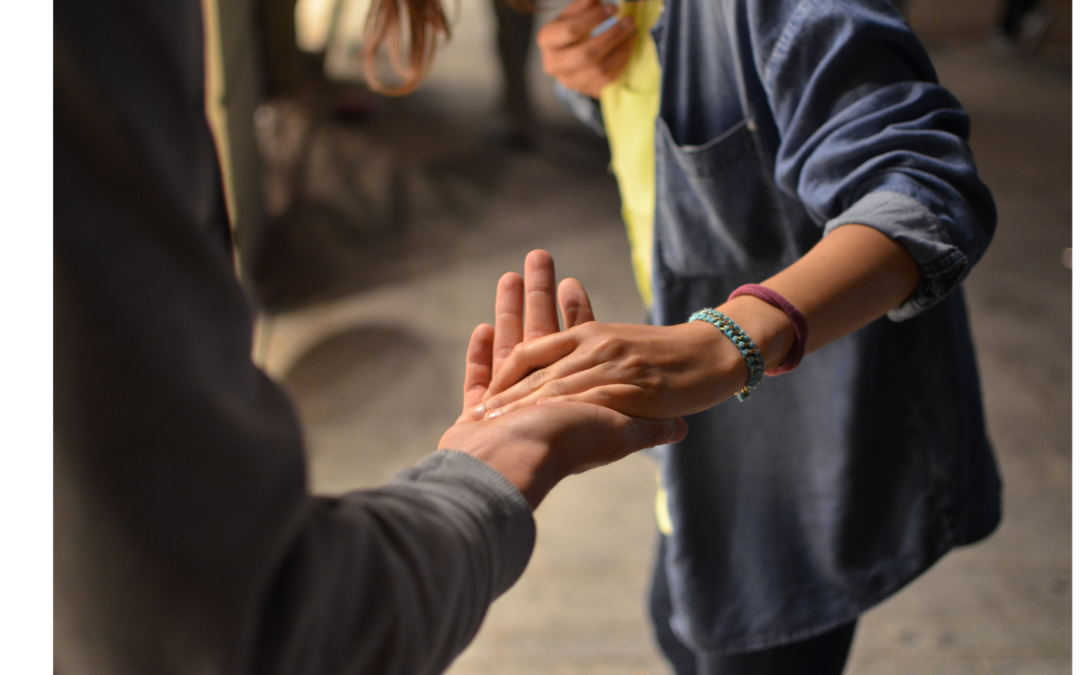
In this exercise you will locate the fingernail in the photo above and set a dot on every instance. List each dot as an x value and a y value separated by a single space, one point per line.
493 414
478 412
544 400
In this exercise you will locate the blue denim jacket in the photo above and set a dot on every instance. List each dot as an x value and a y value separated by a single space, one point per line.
837 484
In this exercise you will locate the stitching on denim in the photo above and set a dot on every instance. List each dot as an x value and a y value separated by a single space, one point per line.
938 278
944 264
787 38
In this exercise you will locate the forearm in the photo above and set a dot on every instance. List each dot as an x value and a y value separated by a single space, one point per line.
853 276
395 579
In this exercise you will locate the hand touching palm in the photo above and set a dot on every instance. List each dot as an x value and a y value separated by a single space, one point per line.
538 446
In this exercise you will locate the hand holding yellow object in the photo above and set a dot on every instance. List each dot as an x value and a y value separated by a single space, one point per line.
577 59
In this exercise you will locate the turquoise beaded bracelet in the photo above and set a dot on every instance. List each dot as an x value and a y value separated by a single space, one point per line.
750 353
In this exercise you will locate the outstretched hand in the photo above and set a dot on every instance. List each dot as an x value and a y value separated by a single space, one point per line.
537 447
524 310
657 372
668 371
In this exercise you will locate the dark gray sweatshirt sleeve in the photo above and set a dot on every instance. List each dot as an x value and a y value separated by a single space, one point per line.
438 544
185 540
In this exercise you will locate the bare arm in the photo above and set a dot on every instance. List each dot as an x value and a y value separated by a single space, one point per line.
850 278
853 276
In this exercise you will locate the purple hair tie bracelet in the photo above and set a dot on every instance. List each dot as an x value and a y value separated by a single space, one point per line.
795 354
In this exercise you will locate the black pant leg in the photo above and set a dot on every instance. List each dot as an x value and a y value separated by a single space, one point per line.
825 654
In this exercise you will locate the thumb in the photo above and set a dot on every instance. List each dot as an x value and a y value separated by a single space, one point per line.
641 433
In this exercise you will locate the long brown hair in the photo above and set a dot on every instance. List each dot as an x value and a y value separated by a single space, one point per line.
426 21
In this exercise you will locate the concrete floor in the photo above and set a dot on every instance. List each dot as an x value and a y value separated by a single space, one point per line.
390 237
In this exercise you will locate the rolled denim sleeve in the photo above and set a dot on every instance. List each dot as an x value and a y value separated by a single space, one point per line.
868 136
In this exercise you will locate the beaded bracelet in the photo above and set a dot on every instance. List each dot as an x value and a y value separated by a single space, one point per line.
750 353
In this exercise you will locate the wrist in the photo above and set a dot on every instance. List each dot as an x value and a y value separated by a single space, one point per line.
767 326
526 463
721 367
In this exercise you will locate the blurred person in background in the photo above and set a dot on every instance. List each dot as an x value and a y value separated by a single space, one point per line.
1020 16
283 63
794 168
185 538
513 38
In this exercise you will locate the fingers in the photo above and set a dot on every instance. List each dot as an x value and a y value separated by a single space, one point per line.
509 311
573 25
577 58
526 312
539 353
584 52
574 303
558 381
592 79
477 366
541 317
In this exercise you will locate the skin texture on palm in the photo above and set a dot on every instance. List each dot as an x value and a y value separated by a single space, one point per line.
536 447
850 278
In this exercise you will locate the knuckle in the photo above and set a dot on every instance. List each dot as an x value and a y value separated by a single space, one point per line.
634 364
604 397
589 331
634 369
609 347
652 385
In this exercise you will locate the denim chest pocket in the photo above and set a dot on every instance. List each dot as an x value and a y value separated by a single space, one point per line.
717 208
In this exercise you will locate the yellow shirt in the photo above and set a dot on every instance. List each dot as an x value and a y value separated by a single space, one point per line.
630 105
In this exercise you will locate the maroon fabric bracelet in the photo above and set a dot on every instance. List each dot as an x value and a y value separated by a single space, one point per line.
795 354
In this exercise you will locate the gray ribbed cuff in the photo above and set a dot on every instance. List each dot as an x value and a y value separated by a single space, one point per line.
495 500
